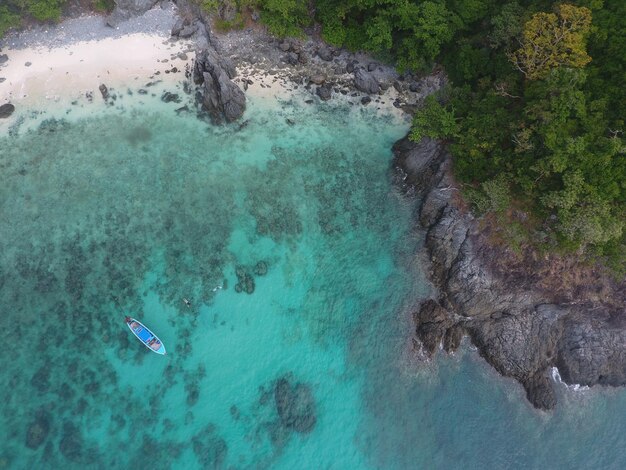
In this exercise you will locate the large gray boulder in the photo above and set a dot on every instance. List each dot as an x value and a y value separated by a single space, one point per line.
6 110
125 9
324 92
365 81
222 98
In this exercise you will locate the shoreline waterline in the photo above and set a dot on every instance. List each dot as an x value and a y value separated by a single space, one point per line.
132 206
66 64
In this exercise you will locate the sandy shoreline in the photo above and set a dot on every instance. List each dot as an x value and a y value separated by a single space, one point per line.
69 61
64 65
73 71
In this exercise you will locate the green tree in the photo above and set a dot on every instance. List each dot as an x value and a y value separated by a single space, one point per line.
551 40
8 19
285 17
431 27
506 26
433 120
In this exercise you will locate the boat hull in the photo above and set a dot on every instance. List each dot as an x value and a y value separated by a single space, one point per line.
147 337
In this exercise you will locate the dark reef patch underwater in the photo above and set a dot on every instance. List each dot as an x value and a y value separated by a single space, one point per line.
298 257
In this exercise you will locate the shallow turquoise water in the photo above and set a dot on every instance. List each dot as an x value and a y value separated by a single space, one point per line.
131 210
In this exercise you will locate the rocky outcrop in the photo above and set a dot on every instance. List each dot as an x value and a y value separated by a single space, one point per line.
213 71
518 329
104 91
125 9
221 97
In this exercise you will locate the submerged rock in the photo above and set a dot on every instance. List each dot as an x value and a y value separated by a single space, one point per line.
71 444
38 430
324 92
104 90
295 406
168 97
235 413
41 379
210 449
193 394
260 269
53 125
246 281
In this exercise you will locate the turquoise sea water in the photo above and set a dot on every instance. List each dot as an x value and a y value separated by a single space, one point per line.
132 209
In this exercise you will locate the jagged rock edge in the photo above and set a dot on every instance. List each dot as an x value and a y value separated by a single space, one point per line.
584 346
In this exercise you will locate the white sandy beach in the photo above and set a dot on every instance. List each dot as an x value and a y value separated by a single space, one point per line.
70 72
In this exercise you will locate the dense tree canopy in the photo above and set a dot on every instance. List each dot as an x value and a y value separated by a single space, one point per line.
547 124
534 115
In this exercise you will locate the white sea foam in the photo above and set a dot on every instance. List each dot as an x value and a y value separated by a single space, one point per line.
556 376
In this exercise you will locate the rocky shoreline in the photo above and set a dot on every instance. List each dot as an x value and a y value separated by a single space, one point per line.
517 328
226 64
245 56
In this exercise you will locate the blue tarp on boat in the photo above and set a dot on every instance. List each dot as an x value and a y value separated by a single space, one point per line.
144 334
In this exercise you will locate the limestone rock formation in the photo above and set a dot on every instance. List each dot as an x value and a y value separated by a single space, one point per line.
38 430
222 98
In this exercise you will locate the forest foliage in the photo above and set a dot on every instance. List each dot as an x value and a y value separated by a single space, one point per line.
534 113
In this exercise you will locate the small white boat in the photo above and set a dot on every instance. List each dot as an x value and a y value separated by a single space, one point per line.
147 337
